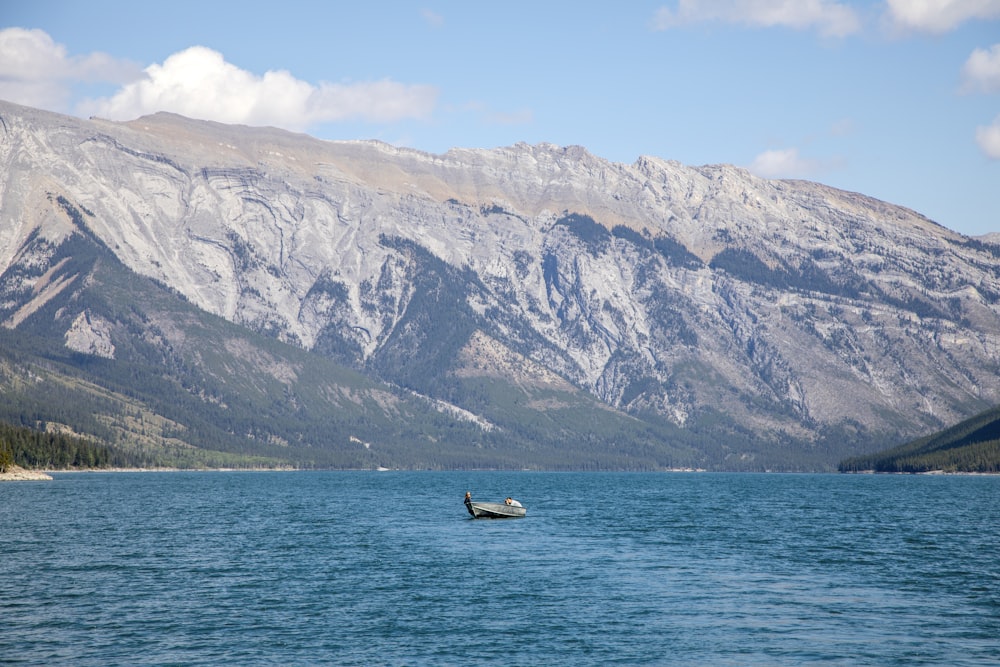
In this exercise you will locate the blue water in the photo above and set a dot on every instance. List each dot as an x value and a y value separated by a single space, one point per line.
338 568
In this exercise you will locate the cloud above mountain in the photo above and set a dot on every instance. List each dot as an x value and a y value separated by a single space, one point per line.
981 72
782 163
988 139
939 16
197 82
36 71
830 18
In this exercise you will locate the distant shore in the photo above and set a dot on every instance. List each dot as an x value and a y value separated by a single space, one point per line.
921 472
19 474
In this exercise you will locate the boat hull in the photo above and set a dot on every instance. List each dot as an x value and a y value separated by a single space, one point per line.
495 510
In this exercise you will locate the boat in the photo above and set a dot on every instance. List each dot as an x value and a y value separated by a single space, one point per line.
482 510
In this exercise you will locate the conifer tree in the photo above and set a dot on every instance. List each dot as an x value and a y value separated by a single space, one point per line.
6 457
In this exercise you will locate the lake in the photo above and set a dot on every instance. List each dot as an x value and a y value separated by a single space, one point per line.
387 568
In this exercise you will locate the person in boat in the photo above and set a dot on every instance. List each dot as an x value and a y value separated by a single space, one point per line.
468 497
513 503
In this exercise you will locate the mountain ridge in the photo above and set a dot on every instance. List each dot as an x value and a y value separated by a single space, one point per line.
783 311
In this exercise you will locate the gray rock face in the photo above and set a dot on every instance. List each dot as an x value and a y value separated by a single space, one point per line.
787 306
90 336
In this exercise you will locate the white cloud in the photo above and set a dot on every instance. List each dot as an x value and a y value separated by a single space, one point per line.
988 138
784 163
199 83
432 19
981 72
938 16
831 18
37 72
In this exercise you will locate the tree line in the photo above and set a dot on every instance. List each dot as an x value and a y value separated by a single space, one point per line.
969 446
34 449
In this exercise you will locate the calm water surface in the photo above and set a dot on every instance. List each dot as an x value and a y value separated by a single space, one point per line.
338 568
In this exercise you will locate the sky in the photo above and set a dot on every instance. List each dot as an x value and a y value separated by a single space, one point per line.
895 99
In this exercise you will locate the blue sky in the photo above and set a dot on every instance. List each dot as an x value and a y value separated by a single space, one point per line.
897 99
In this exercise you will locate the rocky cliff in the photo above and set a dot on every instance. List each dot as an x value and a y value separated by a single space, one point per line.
785 314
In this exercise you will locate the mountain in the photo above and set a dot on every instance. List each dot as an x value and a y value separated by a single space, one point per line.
972 445
558 309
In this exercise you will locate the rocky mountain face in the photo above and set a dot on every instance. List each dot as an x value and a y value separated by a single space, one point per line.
767 317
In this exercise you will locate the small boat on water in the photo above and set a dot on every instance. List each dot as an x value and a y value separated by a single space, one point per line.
510 509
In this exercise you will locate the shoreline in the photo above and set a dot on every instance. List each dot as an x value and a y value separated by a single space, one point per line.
19 474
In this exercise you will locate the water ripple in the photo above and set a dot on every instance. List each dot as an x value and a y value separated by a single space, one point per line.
386 569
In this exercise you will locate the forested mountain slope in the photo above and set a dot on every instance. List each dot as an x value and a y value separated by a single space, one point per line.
970 446
555 308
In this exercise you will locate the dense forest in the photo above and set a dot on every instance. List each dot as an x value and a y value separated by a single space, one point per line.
970 446
33 449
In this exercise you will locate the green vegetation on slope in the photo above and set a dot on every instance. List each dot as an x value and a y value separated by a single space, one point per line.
29 448
970 446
